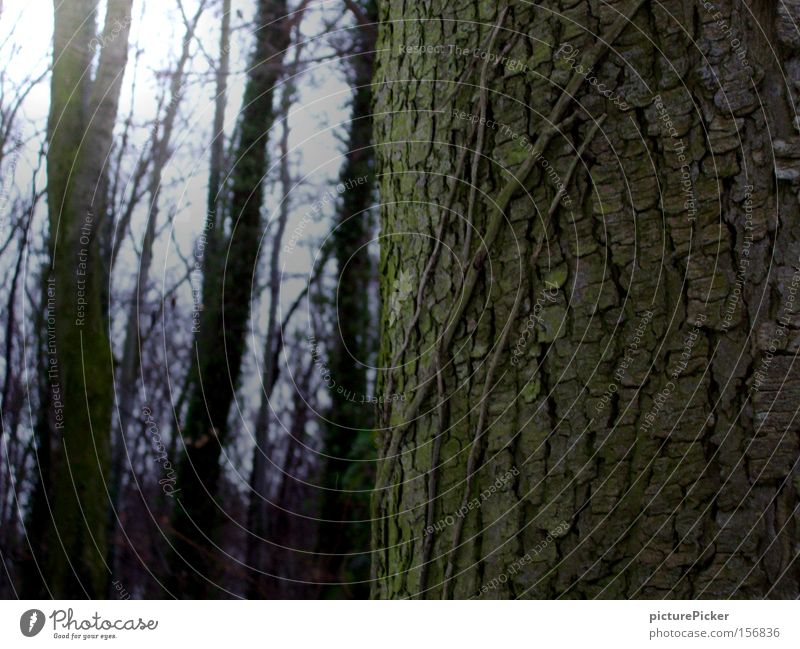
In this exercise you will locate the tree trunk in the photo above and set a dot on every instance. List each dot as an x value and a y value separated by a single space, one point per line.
81 122
220 341
218 139
610 417
130 371
259 503
348 473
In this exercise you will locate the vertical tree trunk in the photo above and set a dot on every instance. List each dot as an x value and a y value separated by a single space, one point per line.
348 446
130 372
81 122
218 138
610 415
258 506
220 343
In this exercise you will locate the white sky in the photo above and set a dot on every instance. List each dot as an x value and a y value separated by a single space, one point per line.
318 117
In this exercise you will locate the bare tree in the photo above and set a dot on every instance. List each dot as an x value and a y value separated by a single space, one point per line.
219 345
130 374
69 512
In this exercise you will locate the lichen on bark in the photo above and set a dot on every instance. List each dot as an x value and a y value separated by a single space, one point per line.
650 472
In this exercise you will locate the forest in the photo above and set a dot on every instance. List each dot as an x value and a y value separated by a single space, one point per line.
399 299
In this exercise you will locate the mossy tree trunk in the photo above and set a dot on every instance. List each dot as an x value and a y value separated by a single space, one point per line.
348 473
220 341
71 501
260 509
612 410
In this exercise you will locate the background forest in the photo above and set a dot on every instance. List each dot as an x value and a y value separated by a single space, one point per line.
400 299
185 186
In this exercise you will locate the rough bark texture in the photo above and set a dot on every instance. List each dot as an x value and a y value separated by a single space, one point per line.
639 438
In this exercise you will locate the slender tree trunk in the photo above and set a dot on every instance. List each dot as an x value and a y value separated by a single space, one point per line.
10 416
291 521
130 371
82 117
348 436
218 139
220 343
609 415
259 506
259 478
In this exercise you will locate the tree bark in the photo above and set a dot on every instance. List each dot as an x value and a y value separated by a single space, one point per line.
259 503
81 122
348 472
598 380
220 104
220 341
